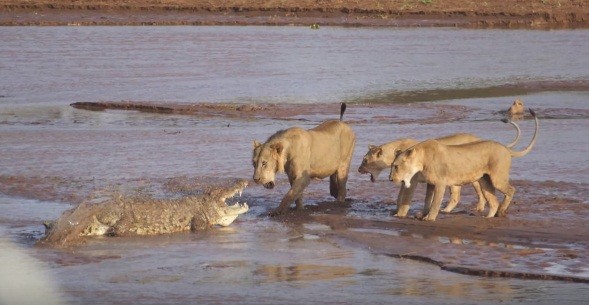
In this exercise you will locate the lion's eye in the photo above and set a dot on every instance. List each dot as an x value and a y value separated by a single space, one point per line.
264 163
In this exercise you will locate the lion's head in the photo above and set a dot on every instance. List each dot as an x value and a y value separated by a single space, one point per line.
517 108
405 166
267 159
374 162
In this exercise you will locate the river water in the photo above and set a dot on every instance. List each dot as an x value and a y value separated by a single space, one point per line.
273 64
258 260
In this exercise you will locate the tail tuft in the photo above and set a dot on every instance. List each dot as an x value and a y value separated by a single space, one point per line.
505 121
342 110
532 112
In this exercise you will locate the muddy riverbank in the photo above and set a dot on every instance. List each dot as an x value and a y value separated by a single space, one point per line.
461 13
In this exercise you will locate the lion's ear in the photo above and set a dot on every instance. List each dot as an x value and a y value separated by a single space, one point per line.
370 146
280 157
256 144
379 152
278 147
409 152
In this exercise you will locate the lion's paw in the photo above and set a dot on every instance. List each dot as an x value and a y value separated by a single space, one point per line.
276 212
428 217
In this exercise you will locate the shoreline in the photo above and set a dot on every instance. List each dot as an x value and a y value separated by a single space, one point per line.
457 13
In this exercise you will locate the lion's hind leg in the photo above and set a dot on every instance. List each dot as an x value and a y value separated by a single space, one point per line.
489 193
341 179
508 191
481 204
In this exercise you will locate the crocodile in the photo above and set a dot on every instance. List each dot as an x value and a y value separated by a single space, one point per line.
121 216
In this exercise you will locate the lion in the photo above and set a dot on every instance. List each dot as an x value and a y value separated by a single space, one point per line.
320 152
517 109
487 162
381 157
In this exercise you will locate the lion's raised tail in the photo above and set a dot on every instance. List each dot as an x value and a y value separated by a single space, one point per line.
341 112
529 148
519 132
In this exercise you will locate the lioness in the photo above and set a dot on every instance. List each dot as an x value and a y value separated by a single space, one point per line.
487 162
323 151
381 157
517 109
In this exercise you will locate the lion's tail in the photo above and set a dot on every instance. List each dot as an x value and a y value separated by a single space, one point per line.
519 132
341 112
529 148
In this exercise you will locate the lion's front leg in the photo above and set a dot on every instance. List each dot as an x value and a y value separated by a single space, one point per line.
436 202
454 198
299 203
404 199
429 194
333 186
297 187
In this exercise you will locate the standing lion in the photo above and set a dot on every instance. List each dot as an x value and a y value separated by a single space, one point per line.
320 152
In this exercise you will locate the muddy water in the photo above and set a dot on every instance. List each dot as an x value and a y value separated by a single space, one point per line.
52 155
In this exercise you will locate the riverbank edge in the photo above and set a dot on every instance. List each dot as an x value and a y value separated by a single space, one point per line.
121 15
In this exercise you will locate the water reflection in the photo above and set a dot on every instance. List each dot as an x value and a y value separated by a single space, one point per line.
484 290
302 273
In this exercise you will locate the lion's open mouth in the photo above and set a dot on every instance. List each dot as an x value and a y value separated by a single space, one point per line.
269 185
362 170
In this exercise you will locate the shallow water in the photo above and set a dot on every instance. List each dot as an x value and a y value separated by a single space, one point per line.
254 261
258 260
